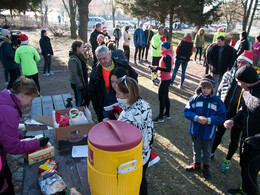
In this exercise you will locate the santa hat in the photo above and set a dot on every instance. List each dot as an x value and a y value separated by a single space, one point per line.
104 28
247 56
232 43
23 37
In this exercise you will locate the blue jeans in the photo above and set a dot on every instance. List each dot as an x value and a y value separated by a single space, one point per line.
183 70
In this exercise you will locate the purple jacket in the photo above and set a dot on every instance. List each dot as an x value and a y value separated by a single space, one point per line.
256 49
9 135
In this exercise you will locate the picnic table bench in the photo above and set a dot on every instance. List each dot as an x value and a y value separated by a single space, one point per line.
73 171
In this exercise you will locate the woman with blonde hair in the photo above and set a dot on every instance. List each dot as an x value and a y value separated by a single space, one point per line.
137 112
23 91
183 54
199 44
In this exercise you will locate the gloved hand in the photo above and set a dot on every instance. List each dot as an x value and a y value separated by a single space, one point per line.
163 38
28 136
253 140
43 141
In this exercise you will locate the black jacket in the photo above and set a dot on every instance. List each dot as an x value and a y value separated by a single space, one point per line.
226 60
7 55
45 44
250 114
244 45
93 40
148 38
97 88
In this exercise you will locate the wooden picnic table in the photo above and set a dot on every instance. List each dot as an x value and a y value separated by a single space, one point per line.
72 170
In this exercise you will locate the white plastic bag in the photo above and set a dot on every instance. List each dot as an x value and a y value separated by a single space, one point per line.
77 117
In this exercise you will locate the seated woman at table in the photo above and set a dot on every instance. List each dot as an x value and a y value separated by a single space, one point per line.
24 90
111 107
137 112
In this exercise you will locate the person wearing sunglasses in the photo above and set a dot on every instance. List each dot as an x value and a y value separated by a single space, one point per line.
99 78
24 90
137 112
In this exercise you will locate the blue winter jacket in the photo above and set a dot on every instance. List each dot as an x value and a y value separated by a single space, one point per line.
210 107
139 38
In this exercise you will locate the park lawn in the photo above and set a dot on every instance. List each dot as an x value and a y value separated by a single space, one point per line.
172 141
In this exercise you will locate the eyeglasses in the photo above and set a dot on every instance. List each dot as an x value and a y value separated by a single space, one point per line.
123 79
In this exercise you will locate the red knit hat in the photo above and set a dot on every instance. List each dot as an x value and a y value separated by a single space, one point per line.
247 55
232 42
23 37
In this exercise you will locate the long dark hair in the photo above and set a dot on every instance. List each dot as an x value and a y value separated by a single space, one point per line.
118 72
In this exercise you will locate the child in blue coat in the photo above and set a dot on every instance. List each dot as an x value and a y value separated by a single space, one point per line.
206 111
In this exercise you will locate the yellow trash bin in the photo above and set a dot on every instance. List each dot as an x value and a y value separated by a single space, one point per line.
115 162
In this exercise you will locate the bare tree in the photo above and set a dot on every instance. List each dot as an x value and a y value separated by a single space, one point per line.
72 15
83 19
249 9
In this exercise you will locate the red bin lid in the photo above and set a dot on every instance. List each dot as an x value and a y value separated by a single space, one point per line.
114 135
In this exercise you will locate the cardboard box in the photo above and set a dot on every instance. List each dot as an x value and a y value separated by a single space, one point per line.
70 135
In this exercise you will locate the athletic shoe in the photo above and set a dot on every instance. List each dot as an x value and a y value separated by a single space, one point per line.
180 86
200 63
225 165
51 73
171 84
153 159
196 62
156 80
158 119
135 63
6 83
236 191
153 82
140 62
167 116
146 61
46 74
193 167
206 172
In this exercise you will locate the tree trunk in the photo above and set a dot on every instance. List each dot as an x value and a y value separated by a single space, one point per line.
45 14
83 19
247 12
73 26
252 18
170 27
113 13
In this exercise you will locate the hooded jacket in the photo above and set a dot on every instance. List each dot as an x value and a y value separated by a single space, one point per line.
10 139
256 49
184 50
210 107
165 65
7 54
199 40
140 115
156 45
45 44
250 114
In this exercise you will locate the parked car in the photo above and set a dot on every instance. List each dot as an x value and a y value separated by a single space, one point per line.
208 28
126 23
93 20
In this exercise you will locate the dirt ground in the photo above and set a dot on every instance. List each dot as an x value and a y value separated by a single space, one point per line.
173 142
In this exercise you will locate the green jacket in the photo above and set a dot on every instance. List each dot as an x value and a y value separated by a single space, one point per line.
27 56
156 46
199 40
216 35
75 72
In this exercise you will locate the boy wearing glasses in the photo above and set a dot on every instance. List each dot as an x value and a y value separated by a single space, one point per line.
230 93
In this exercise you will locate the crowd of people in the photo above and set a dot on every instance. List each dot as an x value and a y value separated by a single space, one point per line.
227 96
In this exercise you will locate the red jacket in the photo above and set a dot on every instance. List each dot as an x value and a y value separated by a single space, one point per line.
163 72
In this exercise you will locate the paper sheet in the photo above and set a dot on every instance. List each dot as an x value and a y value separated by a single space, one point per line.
79 151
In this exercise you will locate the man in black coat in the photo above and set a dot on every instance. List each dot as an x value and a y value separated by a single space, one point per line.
249 114
221 57
99 78
93 41
7 57
47 52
